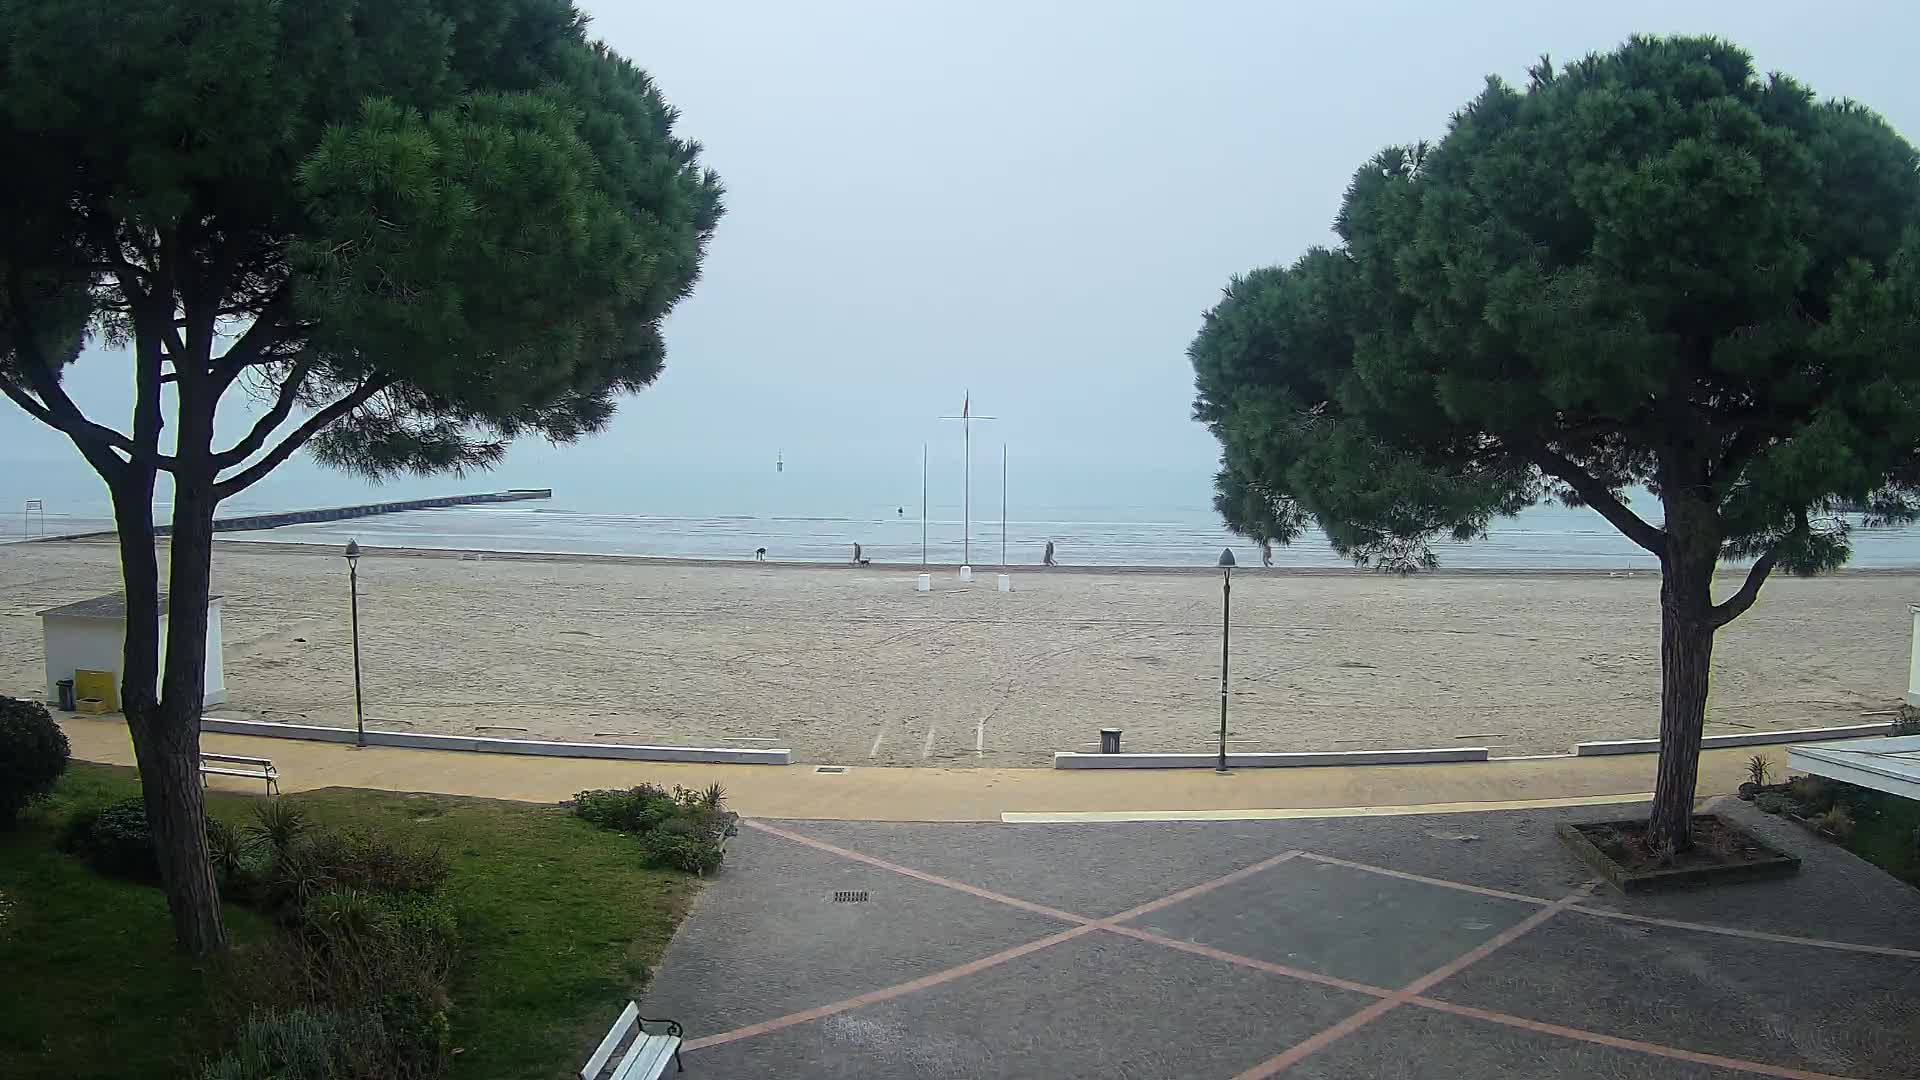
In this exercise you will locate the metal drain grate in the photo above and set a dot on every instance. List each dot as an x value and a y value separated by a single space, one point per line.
830 768
853 896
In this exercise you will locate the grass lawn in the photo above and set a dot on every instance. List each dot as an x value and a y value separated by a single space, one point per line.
559 926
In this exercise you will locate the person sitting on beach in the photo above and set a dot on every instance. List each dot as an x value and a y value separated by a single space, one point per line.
759 554
1047 560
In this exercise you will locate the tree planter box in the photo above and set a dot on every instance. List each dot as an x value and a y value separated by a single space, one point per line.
1763 861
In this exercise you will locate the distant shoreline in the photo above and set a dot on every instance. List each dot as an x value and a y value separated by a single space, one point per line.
487 555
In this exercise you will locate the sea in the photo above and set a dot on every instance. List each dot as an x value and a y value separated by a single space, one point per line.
1093 516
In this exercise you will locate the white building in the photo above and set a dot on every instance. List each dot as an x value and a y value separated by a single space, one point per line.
90 636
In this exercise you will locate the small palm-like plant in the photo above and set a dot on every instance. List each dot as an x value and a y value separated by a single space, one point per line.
227 851
1759 769
277 824
713 796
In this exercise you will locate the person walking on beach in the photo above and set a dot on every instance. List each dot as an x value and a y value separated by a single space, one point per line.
1266 553
1047 560
856 554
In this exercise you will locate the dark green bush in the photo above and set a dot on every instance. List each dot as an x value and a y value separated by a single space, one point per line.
33 754
636 809
682 830
419 1037
119 843
326 859
684 843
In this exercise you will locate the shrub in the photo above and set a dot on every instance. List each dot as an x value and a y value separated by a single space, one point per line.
636 809
304 1044
33 754
277 824
1772 803
685 830
1837 822
1812 793
419 1038
229 853
1758 769
693 844
328 859
119 843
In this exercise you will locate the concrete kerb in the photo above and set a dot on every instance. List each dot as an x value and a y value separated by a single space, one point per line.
482 744
1074 760
1757 738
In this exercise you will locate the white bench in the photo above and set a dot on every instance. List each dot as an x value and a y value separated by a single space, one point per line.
646 1054
253 768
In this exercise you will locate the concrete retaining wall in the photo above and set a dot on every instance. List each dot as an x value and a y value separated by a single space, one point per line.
1757 738
1065 760
479 744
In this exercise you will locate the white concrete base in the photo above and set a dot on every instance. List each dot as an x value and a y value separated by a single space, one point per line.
1064 760
1757 738
475 743
925 583
966 573
1006 582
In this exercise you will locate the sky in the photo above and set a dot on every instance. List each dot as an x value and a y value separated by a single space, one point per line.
1033 203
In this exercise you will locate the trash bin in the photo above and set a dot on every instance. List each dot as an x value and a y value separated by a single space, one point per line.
1109 740
66 694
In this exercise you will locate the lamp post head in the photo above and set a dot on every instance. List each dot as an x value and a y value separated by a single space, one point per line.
353 552
1226 557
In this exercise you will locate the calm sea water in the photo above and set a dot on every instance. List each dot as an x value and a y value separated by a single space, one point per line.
1095 516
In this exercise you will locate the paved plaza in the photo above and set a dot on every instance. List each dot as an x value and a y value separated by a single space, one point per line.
1416 947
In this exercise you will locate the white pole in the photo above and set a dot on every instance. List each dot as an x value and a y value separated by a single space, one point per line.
966 502
1003 504
923 504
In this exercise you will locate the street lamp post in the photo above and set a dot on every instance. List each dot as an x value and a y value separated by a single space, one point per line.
353 589
1226 631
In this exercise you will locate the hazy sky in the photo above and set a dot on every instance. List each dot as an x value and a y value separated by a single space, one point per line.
1036 201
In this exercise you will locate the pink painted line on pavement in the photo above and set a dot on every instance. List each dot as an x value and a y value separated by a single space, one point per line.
1323 1039
1751 935
1655 1049
1204 887
1389 999
971 967
1605 913
1424 880
918 875
1236 959
888 993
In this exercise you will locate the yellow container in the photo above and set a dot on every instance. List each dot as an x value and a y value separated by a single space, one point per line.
92 705
97 685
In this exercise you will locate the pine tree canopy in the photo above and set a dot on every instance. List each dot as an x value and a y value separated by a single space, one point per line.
1654 268
423 226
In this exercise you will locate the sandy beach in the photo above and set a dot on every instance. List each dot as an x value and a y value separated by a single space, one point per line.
853 666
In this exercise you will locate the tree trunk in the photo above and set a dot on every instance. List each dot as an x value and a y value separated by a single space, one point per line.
166 749
1686 661
181 842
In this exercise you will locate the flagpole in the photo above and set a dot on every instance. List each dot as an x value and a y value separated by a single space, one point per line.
966 500
923 504
1003 505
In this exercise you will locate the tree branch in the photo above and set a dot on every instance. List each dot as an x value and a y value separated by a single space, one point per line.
57 410
265 426
314 424
1736 605
1595 494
